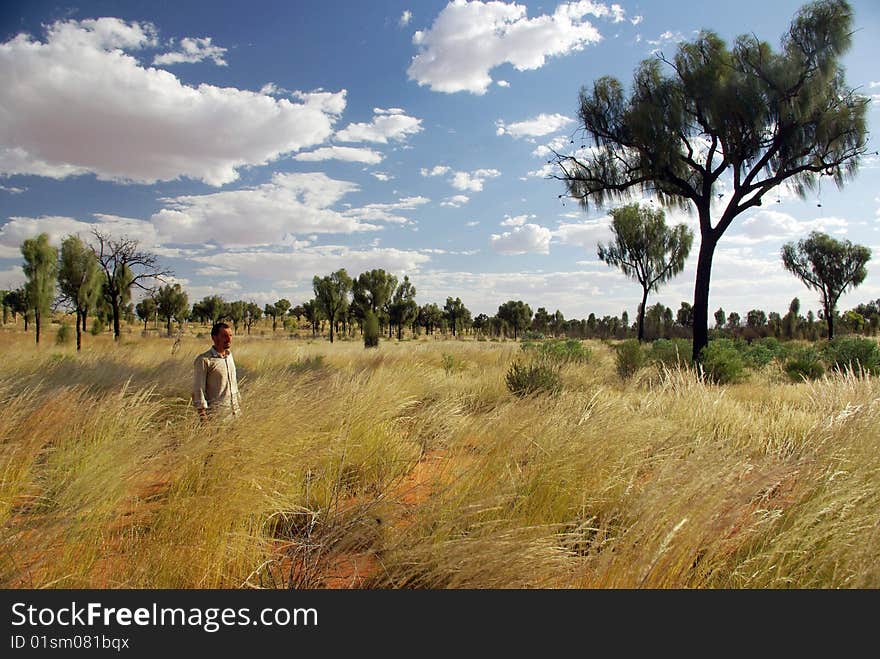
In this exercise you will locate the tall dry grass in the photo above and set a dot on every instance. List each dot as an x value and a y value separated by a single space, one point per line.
387 468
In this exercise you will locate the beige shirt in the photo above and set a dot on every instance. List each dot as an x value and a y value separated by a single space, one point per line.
215 384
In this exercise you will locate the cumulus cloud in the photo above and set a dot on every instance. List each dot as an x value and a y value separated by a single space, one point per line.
473 181
502 83
770 225
543 124
265 214
382 176
516 221
18 229
300 265
12 189
193 50
557 144
584 234
346 153
437 170
391 124
469 39
456 201
525 239
77 103
667 38
405 18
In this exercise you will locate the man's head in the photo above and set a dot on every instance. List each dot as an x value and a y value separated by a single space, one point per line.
221 336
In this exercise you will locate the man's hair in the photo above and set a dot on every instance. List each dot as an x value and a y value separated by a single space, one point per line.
215 330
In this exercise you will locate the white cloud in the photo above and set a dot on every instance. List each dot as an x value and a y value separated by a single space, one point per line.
543 172
18 229
468 39
618 14
557 144
300 265
770 225
346 153
265 214
193 50
12 189
405 18
516 221
635 20
382 176
77 103
525 239
11 278
502 83
667 38
473 181
437 170
472 223
392 124
456 201
543 124
383 212
584 234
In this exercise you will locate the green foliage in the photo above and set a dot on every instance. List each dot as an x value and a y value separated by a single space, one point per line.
853 354
64 334
827 265
517 313
331 295
805 364
763 351
451 364
371 330
722 363
538 376
532 335
569 350
673 353
97 327
629 358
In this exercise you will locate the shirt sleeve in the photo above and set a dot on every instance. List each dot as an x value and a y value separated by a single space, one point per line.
200 373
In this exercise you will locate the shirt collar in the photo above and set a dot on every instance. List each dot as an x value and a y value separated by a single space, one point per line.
214 353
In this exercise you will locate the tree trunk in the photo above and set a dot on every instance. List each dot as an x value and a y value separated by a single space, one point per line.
331 330
701 296
829 319
642 315
115 305
78 331
37 325
399 331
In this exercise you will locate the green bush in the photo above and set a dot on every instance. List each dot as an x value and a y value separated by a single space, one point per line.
629 357
533 377
763 351
722 362
805 364
451 364
570 350
672 354
64 334
854 354
531 335
371 330
97 327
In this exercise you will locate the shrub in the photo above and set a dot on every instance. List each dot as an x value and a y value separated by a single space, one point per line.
672 354
531 335
805 364
722 362
854 354
97 327
371 330
533 377
451 364
630 358
570 350
762 352
64 334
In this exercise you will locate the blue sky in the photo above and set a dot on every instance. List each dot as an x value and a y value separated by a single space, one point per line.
254 146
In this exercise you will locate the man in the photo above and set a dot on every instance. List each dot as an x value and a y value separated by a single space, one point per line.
215 385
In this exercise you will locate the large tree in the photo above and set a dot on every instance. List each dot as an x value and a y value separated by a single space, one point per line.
172 303
744 119
827 265
455 312
41 272
331 295
146 310
403 307
645 249
124 265
517 314
80 280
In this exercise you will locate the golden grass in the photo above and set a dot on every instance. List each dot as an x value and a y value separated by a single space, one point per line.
383 468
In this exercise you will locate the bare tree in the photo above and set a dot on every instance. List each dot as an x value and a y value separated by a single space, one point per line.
124 266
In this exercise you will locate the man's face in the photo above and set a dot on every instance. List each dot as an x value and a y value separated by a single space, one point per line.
222 339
